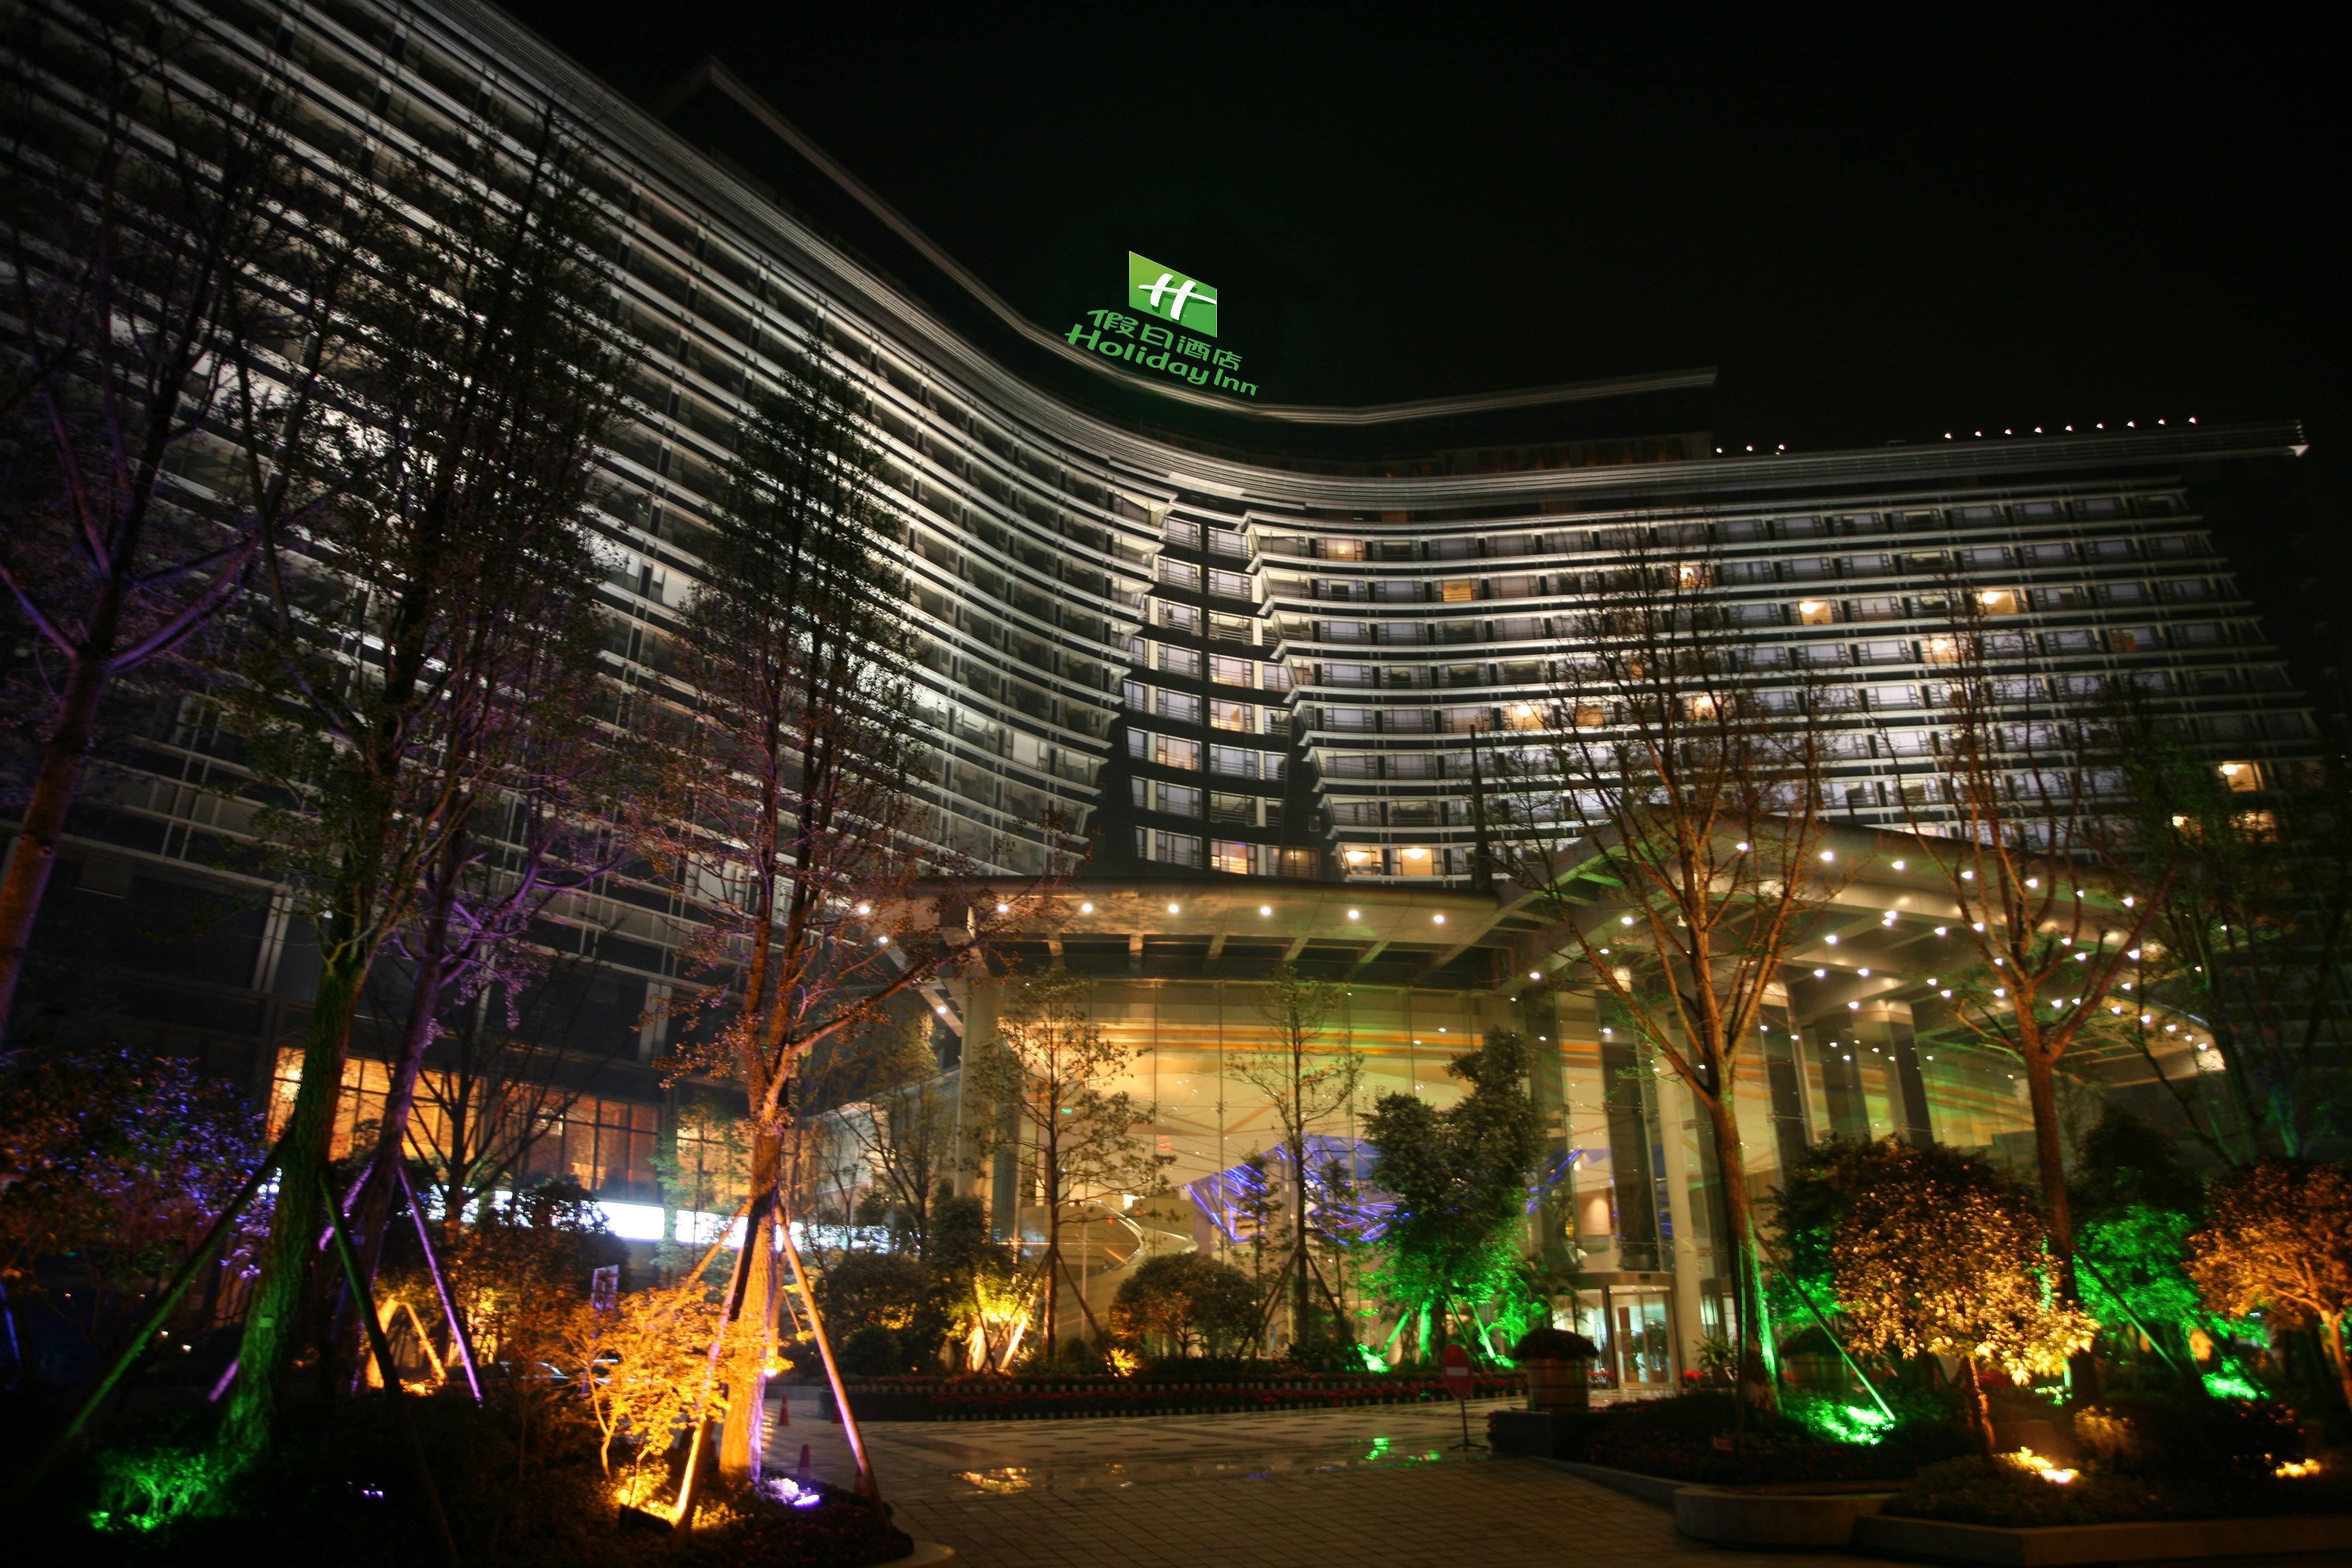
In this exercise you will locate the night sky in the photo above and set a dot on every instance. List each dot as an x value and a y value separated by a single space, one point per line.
1873 233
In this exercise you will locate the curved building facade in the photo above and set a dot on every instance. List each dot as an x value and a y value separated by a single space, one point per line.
1267 664
1237 652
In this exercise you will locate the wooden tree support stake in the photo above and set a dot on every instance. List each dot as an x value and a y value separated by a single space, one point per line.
391 1373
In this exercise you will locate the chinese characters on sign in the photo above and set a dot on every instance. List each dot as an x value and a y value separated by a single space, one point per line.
1147 345
1189 305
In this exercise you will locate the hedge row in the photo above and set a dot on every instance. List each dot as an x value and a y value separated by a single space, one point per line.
1023 1399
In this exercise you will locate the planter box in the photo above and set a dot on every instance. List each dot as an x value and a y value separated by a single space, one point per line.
2163 1540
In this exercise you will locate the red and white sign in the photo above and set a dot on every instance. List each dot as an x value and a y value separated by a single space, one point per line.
1457 1371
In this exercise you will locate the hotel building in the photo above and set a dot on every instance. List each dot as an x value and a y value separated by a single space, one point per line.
1238 649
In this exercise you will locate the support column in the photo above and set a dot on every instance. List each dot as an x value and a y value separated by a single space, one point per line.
1675 1130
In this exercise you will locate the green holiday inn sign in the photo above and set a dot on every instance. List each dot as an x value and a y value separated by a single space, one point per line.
1168 293
1188 305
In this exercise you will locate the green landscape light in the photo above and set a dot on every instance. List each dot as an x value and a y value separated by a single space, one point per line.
2230 1385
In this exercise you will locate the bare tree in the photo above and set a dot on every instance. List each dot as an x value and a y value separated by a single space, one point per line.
889 1097
1047 1083
537 786
2010 810
480 387
2250 938
177 289
1665 805
1306 1084
792 811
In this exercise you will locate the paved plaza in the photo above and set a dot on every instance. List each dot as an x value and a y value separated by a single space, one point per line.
1373 1487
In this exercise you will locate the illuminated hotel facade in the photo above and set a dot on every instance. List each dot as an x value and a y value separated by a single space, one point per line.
1237 652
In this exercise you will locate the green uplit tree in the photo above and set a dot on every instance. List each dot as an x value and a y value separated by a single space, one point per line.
2252 939
1461 1179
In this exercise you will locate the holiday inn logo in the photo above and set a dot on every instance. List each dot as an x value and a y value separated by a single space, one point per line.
1187 306
1167 293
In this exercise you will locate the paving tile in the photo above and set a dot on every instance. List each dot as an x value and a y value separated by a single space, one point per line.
1382 1487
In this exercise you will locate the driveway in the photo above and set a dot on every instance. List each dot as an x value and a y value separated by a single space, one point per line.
1369 1487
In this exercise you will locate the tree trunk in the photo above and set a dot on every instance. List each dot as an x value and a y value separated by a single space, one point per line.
2331 1332
272 1316
1758 1386
1050 1266
1975 1408
373 1218
2050 1155
754 1276
1301 1303
33 855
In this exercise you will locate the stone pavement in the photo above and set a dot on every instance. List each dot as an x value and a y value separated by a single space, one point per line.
1370 1488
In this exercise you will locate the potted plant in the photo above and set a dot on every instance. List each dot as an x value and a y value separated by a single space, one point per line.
1558 1363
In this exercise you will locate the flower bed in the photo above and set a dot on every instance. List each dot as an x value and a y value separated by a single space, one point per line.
1035 1398
1677 1439
2002 1493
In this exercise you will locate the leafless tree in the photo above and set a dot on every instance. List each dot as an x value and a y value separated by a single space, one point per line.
792 811
478 393
177 273
1306 1083
1047 1084
1666 805
2009 809
890 1099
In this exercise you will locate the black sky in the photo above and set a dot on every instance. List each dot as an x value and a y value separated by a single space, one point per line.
1876 228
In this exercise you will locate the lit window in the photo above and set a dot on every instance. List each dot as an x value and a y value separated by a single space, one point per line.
1229 856
1457 590
1815 612
1522 716
2242 776
1228 671
1361 860
1241 716
1997 601
1415 860
1940 650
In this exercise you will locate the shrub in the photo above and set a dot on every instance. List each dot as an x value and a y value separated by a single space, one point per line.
1182 1300
872 1350
1554 1344
872 1287
2158 1437
1999 1491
